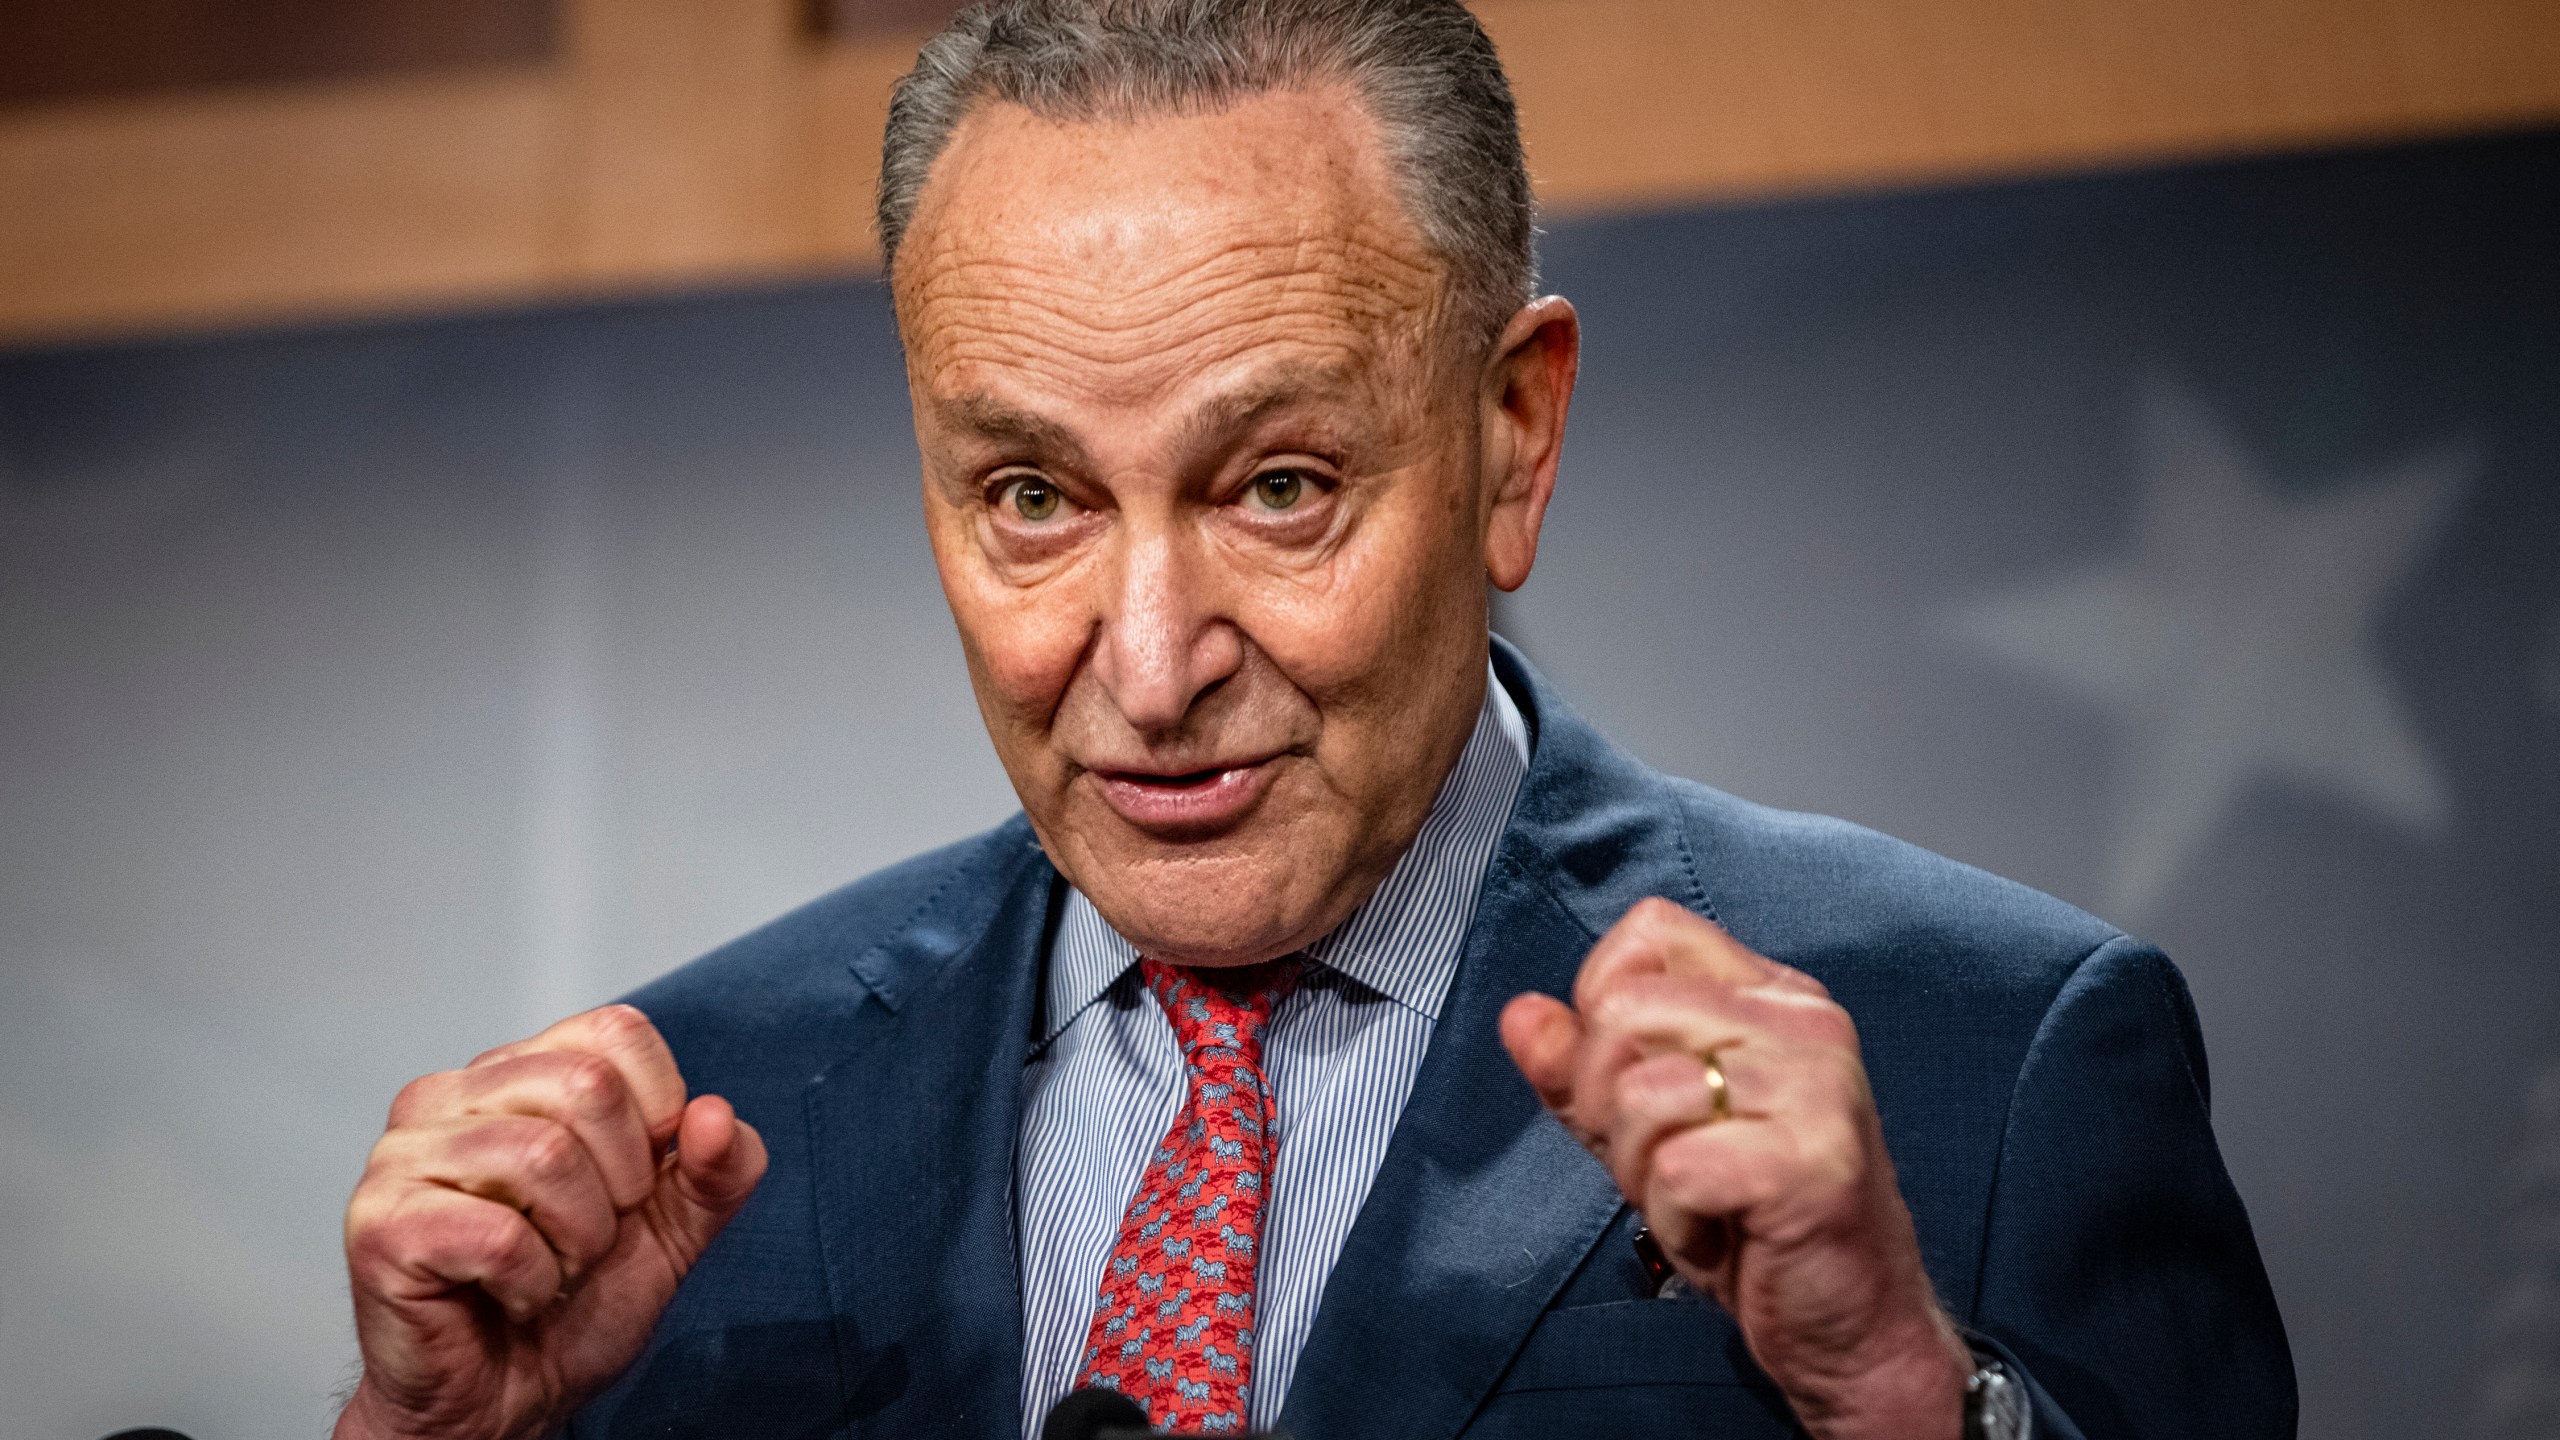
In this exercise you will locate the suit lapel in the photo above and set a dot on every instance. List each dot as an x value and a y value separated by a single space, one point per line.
1484 1206
912 1136
1481 1209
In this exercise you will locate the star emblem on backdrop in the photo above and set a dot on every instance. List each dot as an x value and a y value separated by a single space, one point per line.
2231 640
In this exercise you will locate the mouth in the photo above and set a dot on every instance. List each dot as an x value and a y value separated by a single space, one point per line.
1194 800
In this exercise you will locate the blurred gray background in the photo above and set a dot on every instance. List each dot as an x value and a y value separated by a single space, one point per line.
2185 542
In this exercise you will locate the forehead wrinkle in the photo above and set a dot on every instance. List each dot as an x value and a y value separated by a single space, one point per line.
1255 282
1135 365
971 357
1144 305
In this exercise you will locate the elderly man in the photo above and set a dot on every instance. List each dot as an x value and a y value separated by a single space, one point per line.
1239 1074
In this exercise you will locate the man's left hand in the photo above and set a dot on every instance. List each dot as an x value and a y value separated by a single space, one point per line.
1786 1209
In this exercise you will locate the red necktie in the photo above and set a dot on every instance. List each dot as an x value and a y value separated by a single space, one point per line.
1174 1327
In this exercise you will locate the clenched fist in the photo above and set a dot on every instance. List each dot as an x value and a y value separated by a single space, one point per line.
523 1222
1786 1209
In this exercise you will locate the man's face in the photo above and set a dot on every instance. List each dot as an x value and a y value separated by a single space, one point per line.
1214 491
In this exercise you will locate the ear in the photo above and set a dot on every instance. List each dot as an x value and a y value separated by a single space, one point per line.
1528 388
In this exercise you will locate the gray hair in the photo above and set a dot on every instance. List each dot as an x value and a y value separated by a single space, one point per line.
1424 70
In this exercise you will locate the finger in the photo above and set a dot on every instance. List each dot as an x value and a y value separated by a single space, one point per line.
1656 936
1706 1180
1762 1046
1691 944
1703 948
1691 1015
1656 1098
1591 1104
579 1089
437 1240
529 1164
717 1163
1785 1181
1542 1033
624 1036
1631 947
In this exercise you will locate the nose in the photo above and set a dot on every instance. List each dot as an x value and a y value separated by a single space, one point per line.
1164 642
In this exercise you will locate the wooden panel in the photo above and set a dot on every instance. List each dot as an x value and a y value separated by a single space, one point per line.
685 142
1633 102
850 104
328 201
869 19
94 49
693 130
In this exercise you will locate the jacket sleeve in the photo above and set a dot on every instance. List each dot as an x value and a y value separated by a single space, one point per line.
2118 1266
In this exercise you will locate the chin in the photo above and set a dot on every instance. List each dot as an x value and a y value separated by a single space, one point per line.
1200 918
1169 931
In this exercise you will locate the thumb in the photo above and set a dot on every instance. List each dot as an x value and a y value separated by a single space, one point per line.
1543 1035
718 1160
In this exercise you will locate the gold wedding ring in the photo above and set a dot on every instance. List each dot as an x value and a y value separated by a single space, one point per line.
1719 1093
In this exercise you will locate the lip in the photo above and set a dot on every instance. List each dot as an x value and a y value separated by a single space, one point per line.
1199 800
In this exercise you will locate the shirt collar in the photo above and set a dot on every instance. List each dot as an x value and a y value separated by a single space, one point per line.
1405 940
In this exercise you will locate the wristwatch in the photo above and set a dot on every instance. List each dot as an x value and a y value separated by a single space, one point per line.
1995 1404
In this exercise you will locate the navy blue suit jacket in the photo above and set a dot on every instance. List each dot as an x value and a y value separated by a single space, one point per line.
2040 1077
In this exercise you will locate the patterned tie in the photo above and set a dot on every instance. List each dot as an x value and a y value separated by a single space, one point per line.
1173 1329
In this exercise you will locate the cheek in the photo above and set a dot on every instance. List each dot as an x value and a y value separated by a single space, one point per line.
1022 641
1337 631
1371 615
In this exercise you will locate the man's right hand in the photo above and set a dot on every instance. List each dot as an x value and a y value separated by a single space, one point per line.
523 1222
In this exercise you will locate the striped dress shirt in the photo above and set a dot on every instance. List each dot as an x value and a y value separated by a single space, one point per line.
1340 1055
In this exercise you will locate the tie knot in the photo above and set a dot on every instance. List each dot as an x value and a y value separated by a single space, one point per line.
1221 1009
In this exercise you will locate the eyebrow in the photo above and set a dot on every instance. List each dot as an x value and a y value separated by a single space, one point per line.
983 415
1224 415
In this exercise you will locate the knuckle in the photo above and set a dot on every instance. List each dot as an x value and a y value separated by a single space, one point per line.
1609 1010
373 1244
1656 919
489 1233
1676 1166
1697 1175
549 1152
622 1023
590 1084
396 1230
1816 1019
496 1053
367 1213
419 1099
1657 910
389 1150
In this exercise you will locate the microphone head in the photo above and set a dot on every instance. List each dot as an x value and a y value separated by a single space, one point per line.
1093 1414
147 1433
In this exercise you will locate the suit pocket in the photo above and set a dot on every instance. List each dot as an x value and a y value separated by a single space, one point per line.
1633 1342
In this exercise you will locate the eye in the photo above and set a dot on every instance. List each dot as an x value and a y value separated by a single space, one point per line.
1034 499
1279 489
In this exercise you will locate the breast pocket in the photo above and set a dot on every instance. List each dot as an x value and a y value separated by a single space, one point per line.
1649 1367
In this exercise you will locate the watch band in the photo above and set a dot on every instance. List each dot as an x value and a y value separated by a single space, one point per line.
1995 1404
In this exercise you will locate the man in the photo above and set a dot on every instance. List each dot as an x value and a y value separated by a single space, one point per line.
1346 1038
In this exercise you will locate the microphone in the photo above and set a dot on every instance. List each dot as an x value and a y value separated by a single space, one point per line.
1098 1414
147 1433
